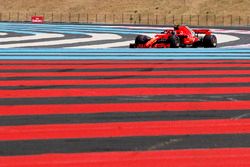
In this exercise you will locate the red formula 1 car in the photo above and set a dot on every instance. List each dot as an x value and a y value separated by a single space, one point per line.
180 36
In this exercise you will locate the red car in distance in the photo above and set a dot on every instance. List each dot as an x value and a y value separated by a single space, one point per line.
179 36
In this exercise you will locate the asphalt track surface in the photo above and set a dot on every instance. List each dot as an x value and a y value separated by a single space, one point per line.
116 108
17 35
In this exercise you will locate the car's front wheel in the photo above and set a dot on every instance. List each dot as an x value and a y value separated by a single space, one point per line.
210 41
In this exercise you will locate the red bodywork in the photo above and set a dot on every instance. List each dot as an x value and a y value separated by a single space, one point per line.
187 37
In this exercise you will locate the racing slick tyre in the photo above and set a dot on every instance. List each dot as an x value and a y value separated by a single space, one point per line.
132 45
210 41
142 39
174 41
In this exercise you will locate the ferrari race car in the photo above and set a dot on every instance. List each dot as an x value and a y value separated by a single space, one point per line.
179 36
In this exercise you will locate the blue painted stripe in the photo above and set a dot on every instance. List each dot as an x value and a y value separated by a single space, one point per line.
80 30
123 54
120 58
126 50
128 54
18 31
72 29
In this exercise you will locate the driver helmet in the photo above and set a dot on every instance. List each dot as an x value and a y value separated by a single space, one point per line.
176 27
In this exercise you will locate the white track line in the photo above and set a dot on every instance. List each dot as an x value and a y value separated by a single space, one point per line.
3 33
107 45
239 46
223 31
37 36
94 37
110 45
223 38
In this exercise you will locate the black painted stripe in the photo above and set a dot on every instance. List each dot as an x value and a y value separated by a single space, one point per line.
206 85
11 148
120 77
124 99
125 69
121 117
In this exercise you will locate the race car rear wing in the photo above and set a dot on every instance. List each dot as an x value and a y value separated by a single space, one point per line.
202 31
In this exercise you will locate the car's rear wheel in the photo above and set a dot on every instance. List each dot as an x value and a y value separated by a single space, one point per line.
210 41
174 41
